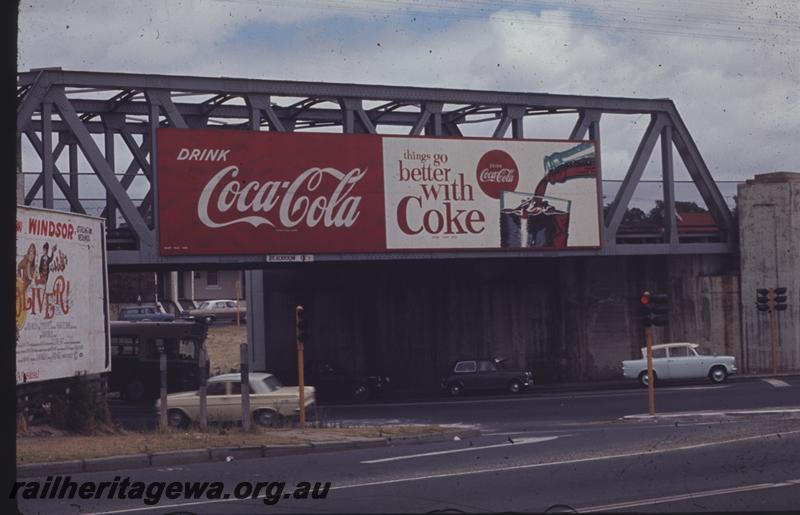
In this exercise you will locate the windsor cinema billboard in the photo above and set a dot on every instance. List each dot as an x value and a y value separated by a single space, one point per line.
233 192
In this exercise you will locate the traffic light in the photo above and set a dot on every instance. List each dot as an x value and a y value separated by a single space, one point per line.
646 308
302 324
660 307
654 308
779 297
762 299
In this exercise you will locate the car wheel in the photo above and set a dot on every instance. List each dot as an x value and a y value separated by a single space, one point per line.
514 386
718 374
455 389
177 419
134 391
208 320
266 418
360 392
643 378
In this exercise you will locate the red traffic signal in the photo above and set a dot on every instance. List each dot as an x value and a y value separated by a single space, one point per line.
654 308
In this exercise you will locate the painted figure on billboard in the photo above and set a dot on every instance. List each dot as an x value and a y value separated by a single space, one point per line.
26 273
44 264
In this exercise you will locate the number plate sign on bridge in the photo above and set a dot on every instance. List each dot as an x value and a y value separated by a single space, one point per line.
290 258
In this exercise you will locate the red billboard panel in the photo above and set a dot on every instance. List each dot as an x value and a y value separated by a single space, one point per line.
231 192
237 192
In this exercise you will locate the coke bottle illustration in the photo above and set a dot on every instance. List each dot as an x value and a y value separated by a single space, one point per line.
575 162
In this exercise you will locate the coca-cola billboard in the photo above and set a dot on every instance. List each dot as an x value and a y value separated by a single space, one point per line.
236 192
231 192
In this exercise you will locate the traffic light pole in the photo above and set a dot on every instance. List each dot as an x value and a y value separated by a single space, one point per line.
772 300
773 329
651 394
299 315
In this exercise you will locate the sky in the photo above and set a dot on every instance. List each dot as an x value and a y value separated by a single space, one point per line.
732 67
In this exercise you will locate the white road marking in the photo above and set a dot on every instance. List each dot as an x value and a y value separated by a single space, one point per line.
765 411
471 472
777 383
682 388
540 397
518 441
614 428
686 497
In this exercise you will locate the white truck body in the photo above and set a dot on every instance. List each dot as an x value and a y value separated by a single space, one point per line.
61 295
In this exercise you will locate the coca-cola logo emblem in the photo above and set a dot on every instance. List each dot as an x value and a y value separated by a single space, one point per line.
497 172
281 204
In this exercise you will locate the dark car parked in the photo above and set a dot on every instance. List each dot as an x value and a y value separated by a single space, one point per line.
332 382
485 374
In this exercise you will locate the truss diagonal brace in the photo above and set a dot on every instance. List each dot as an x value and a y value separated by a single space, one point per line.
586 120
162 99
32 100
428 109
511 115
103 170
58 178
354 112
261 104
617 210
700 175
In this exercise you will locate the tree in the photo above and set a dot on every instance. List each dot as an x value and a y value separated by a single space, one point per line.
656 215
634 216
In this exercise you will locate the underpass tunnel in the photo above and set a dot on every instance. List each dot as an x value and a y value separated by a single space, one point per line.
566 319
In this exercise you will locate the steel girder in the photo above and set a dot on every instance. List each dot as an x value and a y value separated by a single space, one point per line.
80 106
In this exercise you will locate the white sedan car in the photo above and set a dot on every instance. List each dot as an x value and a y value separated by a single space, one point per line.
269 401
680 361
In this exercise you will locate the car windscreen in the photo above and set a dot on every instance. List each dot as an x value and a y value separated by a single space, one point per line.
204 305
272 383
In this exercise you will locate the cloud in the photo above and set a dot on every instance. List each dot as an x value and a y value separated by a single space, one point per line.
734 76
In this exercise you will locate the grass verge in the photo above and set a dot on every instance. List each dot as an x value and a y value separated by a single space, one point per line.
62 448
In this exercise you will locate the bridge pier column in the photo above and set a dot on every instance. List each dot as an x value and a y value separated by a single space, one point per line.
769 243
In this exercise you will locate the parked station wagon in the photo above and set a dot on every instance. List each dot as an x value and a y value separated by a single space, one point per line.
680 361
485 374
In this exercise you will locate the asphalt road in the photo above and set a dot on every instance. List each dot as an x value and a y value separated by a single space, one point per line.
737 464
537 450
536 408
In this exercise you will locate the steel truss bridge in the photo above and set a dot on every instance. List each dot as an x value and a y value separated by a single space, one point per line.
100 119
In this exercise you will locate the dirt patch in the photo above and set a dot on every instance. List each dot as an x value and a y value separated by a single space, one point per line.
223 346
60 448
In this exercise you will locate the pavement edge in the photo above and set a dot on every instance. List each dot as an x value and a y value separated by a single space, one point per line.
216 454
